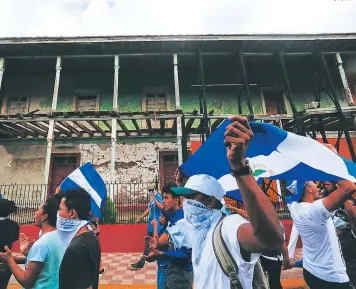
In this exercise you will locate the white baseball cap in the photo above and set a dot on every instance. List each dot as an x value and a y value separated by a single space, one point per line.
204 184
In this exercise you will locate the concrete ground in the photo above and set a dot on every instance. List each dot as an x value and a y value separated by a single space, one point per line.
118 275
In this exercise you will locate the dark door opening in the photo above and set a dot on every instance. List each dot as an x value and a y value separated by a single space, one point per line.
168 163
61 166
274 102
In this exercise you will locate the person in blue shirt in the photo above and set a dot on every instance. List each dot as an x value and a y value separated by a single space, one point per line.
154 211
179 253
44 256
162 264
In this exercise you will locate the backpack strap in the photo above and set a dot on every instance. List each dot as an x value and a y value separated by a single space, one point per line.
224 257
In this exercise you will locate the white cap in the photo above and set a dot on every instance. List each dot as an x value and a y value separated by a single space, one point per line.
204 184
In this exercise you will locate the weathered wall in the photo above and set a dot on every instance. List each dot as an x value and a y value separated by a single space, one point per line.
24 164
135 163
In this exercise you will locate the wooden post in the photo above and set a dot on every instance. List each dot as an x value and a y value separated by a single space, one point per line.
50 135
179 118
114 122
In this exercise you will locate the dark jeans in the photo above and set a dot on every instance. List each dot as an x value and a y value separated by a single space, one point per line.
273 269
178 278
316 283
147 247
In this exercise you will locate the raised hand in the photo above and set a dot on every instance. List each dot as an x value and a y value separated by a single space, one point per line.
7 255
152 242
236 139
154 223
25 244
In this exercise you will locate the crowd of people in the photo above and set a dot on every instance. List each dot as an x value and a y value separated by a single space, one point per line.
196 239
67 253
255 233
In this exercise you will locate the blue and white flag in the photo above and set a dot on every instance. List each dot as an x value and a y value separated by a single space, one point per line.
274 154
87 178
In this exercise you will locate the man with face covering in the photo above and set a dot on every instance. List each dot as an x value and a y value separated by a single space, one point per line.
244 239
81 261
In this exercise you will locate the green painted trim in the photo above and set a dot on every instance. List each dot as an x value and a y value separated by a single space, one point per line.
132 139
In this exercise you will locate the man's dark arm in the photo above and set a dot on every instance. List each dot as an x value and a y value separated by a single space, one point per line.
264 231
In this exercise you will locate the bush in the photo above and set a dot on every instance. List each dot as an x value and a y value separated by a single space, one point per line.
110 214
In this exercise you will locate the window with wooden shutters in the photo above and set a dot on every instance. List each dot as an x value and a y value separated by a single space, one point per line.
87 103
156 102
17 104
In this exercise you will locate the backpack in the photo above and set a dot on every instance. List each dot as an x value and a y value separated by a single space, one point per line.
229 266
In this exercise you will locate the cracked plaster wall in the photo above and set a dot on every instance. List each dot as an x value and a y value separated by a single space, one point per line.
135 163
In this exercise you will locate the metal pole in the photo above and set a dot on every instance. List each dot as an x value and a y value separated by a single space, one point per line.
50 135
2 68
345 84
114 122
298 122
246 86
179 118
203 93
343 120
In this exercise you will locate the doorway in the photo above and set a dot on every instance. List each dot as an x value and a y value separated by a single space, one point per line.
61 166
168 163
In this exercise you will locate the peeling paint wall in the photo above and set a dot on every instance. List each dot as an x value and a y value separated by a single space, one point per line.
135 163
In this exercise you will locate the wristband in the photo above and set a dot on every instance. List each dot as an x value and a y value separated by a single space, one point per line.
246 170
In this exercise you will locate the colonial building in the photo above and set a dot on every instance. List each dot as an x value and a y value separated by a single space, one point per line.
138 106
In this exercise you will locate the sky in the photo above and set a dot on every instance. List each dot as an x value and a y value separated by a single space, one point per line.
40 18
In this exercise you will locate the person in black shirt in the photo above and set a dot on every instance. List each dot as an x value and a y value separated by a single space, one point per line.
9 233
81 261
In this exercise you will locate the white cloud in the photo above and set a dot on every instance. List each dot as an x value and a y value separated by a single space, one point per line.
29 18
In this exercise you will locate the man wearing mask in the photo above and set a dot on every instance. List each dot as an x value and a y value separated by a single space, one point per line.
244 239
81 261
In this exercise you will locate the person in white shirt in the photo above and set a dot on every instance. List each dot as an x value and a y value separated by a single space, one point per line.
244 239
323 263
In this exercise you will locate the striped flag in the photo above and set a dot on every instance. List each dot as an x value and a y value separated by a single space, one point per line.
87 178
274 154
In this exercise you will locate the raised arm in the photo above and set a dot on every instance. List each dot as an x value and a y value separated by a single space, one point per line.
263 232
338 197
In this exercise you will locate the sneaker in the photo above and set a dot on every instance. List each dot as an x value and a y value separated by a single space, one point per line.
138 265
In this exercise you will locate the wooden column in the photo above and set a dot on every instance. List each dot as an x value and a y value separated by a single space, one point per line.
50 135
179 118
114 122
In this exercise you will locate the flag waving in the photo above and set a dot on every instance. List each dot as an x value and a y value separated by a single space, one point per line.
273 153
87 178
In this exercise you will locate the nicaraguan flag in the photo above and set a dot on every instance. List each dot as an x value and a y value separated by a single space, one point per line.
274 154
87 177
